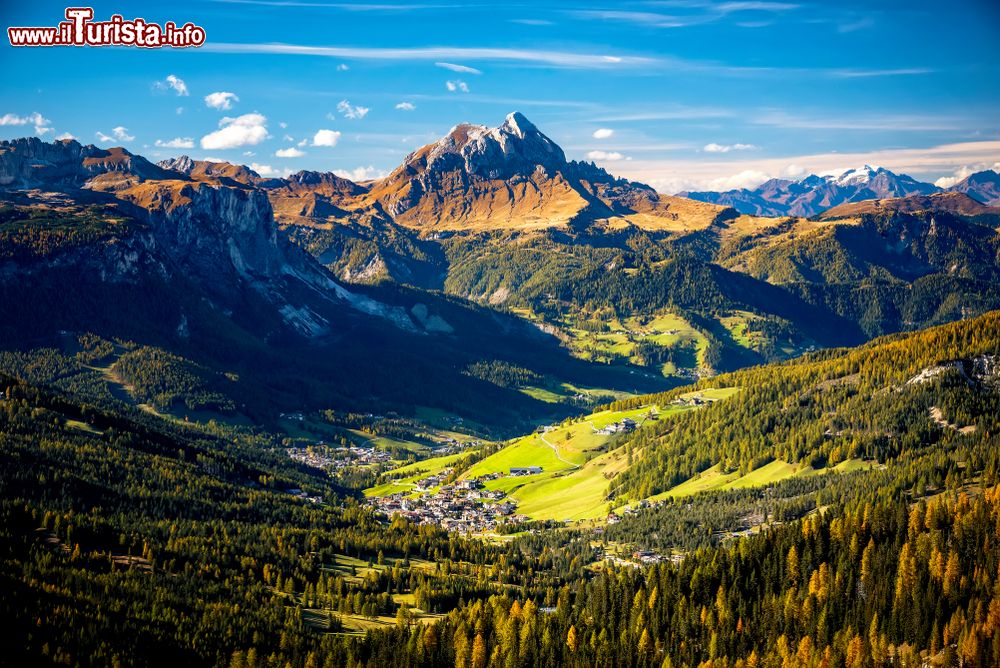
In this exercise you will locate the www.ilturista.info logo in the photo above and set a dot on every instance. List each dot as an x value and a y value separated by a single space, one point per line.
80 30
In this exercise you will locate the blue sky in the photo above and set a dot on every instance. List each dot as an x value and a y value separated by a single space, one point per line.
676 93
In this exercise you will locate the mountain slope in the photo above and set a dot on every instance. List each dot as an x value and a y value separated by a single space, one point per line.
951 202
982 186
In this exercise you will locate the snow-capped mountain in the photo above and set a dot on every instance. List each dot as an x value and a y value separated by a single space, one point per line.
814 194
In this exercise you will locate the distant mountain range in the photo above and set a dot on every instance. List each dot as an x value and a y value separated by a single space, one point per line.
814 194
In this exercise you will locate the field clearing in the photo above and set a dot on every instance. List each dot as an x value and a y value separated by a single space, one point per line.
711 393
83 426
579 495
775 471
525 451
359 625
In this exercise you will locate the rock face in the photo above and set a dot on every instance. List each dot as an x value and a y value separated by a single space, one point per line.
213 232
30 162
814 194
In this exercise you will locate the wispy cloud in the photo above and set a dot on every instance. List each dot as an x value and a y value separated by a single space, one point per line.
464 69
667 113
457 86
36 119
360 173
856 24
726 148
174 83
443 54
852 73
406 106
872 122
354 7
121 134
605 156
691 14
532 22
176 142
350 112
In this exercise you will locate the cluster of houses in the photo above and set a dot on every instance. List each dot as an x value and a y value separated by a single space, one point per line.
335 459
625 511
625 426
465 506
452 446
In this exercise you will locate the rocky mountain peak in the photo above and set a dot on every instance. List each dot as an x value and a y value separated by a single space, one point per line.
514 147
183 164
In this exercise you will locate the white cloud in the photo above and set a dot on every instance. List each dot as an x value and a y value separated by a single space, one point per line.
249 154
360 173
65 135
464 69
288 137
748 178
612 156
174 83
351 112
290 152
180 110
103 138
176 142
342 67
266 170
245 130
794 171
222 100
406 106
34 118
121 134
282 125
457 85
726 148
326 138
603 133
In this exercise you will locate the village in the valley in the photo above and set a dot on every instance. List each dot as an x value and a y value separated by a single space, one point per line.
470 504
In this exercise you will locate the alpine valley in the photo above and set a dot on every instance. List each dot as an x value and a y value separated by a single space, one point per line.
496 408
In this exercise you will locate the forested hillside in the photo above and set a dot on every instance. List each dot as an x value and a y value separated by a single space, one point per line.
934 391
208 546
